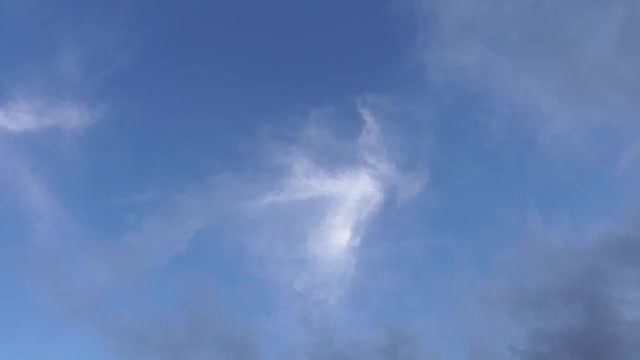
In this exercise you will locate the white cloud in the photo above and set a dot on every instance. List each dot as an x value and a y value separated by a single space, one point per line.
348 196
304 225
28 114
353 195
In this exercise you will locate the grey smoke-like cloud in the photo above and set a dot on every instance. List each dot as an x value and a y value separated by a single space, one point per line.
590 306
566 73
570 301
564 69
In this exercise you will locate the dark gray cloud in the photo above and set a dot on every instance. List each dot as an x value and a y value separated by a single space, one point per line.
574 302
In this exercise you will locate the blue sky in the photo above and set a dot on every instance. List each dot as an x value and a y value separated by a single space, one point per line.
319 180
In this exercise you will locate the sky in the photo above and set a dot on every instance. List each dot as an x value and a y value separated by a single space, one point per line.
326 180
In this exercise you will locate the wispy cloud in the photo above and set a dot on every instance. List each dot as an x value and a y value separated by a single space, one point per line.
349 197
582 301
566 70
320 210
313 215
28 114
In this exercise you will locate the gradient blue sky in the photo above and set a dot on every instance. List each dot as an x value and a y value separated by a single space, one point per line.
319 180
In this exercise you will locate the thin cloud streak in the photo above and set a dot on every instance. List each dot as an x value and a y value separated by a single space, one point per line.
28 114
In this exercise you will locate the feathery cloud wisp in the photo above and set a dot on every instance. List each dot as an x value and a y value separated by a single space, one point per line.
27 114
348 196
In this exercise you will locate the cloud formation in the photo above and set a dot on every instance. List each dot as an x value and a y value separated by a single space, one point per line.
581 303
27 114
564 69
348 197
571 301
330 204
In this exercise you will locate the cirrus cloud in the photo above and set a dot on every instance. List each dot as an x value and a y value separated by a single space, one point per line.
29 114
